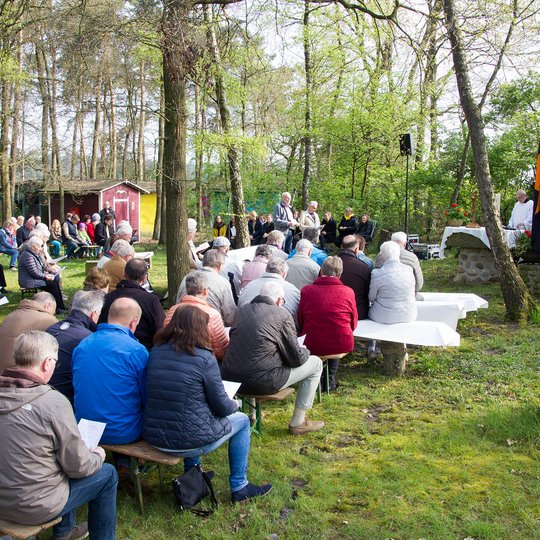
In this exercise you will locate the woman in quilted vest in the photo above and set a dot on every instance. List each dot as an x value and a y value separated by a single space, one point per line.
188 412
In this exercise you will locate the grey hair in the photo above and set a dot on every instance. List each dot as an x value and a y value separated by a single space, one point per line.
41 227
390 251
35 241
196 282
277 266
399 237
304 246
275 237
122 248
332 266
273 290
32 347
264 250
311 234
37 232
88 301
44 297
191 225
214 258
124 229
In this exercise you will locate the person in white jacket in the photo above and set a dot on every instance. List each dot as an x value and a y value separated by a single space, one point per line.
522 213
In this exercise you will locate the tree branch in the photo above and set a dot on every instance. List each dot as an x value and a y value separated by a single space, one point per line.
362 8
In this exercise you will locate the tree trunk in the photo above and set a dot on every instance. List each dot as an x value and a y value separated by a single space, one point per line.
308 119
113 137
199 112
239 207
156 234
97 126
515 294
487 90
4 156
142 121
40 61
14 151
175 27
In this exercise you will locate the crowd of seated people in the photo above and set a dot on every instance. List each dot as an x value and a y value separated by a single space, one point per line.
119 359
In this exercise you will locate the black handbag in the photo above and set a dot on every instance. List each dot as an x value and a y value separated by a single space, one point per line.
193 486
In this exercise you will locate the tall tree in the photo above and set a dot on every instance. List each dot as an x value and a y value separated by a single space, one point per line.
515 293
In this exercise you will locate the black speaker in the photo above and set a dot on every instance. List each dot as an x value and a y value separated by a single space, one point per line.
405 144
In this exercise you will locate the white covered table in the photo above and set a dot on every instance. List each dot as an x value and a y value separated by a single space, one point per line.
480 233
472 302
427 333
243 254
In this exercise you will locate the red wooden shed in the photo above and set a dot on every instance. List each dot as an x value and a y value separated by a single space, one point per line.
89 196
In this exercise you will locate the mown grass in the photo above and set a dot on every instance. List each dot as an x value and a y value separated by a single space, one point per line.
448 451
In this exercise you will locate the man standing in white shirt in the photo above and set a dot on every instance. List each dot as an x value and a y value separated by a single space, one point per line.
522 213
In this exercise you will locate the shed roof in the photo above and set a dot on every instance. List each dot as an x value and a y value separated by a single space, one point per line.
84 186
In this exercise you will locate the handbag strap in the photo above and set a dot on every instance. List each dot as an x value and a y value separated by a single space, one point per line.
211 489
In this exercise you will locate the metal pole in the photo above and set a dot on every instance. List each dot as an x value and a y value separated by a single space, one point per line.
407 195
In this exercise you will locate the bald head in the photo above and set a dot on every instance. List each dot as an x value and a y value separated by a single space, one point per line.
125 312
349 242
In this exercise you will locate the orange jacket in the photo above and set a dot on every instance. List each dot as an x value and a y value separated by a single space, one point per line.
220 338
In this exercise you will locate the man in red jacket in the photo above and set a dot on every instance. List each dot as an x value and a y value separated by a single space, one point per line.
327 316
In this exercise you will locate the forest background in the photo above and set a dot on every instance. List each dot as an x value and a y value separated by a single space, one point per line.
305 96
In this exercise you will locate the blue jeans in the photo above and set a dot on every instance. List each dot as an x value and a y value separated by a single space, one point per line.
71 248
238 450
287 242
13 253
56 245
99 491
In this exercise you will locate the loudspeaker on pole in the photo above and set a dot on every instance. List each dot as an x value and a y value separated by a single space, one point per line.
406 144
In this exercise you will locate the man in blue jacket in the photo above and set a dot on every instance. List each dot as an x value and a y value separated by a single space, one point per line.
109 380
82 322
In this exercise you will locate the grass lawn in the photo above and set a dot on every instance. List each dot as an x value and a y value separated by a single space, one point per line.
448 451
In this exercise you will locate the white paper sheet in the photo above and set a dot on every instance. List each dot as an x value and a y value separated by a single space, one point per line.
91 431
231 388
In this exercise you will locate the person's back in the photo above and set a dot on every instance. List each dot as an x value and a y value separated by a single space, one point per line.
80 323
327 316
391 291
36 313
263 347
302 270
131 287
43 453
109 375
356 274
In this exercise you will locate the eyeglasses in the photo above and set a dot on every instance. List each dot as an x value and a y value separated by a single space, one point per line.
282 301
55 360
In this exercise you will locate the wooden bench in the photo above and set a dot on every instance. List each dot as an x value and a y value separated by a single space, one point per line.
28 291
395 337
143 458
247 403
324 360
25 531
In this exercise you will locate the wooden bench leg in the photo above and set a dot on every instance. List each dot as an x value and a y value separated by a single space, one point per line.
394 358
248 407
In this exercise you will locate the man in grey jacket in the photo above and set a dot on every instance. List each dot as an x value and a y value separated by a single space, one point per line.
408 258
47 470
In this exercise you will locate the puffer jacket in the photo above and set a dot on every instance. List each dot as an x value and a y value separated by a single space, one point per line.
31 270
41 449
391 293
186 402
263 347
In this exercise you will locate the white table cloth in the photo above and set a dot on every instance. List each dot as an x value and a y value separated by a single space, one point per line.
427 333
511 236
243 254
472 302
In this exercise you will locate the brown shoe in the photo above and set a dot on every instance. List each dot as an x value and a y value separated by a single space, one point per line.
77 533
306 427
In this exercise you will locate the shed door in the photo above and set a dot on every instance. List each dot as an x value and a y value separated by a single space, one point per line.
121 205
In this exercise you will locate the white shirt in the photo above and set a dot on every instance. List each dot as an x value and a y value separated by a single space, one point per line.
522 213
